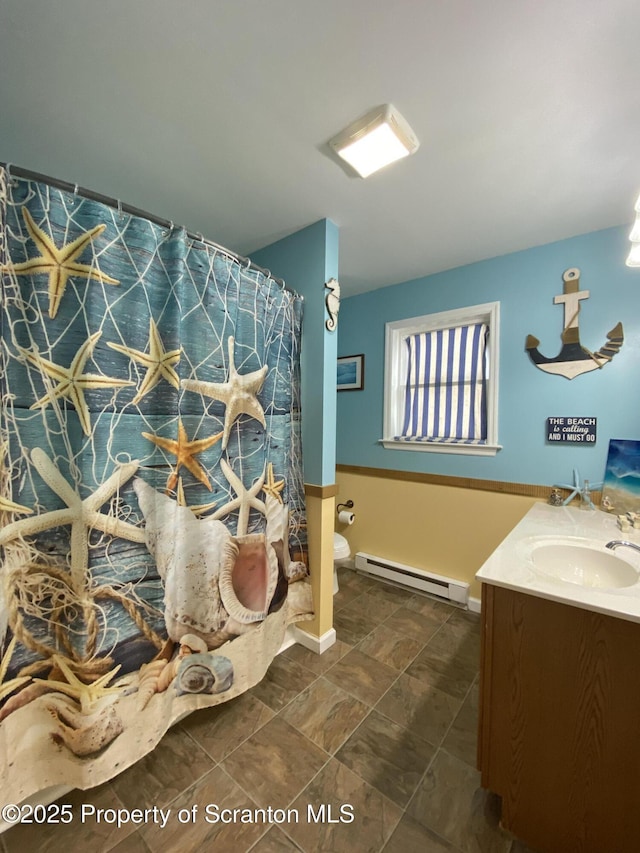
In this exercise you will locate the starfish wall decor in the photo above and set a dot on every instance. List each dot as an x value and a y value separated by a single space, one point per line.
577 488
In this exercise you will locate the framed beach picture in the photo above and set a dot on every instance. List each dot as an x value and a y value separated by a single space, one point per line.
351 373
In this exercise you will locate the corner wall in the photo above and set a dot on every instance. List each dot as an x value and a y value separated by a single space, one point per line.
306 260
452 530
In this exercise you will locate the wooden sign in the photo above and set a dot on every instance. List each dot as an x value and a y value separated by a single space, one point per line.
574 430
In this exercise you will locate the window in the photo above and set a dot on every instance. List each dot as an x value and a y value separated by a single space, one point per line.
441 382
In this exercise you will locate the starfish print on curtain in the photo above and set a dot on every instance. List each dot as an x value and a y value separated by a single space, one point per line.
184 451
238 393
8 686
196 509
245 500
82 515
72 382
6 504
59 264
272 486
158 361
87 695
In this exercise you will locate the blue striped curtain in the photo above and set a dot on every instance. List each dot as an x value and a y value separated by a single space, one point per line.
445 394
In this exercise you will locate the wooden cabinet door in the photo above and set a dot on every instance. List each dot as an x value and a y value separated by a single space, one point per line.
560 723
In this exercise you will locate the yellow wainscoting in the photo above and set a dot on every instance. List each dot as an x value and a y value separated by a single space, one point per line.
422 521
320 503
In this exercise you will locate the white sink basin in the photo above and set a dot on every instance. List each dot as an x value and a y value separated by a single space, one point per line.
583 563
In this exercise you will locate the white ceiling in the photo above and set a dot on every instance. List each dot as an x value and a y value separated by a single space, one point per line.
216 113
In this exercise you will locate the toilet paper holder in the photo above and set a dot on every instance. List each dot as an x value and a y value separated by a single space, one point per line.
344 516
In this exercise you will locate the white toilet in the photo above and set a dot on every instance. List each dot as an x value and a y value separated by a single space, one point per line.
341 551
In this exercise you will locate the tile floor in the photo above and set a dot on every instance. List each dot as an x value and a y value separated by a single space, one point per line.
385 721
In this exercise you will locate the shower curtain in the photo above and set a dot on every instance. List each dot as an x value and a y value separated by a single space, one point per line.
152 526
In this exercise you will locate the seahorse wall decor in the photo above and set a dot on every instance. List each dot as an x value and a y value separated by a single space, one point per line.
574 359
333 303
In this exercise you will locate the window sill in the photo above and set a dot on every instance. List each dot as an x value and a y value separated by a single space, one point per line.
437 447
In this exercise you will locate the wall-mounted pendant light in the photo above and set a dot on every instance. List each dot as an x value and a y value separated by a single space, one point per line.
380 137
634 255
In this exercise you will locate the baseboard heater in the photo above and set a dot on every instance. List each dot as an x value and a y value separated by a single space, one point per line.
408 576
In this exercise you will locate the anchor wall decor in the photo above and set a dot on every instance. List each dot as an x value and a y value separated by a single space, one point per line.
574 359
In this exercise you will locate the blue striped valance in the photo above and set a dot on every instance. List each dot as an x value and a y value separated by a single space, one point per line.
445 394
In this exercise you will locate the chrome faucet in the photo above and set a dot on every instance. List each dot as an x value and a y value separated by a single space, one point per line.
615 543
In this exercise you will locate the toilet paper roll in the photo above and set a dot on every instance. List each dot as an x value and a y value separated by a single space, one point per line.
345 517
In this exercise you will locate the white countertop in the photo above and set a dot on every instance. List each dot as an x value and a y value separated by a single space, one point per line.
510 565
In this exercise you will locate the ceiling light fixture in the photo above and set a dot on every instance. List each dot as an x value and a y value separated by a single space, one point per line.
380 137
634 255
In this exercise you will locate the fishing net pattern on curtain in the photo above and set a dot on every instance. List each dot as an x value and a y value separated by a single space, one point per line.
152 524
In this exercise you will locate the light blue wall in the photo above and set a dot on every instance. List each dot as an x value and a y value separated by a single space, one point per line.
306 260
524 283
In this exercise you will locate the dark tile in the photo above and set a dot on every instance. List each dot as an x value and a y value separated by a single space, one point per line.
78 835
275 841
361 676
317 663
387 756
391 648
133 843
430 607
466 619
418 626
283 681
462 737
446 672
410 836
353 580
219 730
200 804
450 801
275 764
325 714
164 772
353 625
345 595
367 825
455 641
377 606
419 707
388 592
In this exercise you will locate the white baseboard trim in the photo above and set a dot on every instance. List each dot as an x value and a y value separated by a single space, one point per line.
475 605
309 641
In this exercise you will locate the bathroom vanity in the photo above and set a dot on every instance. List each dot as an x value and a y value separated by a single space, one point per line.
559 730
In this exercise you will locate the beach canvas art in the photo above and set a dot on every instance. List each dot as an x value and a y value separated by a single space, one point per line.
621 488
